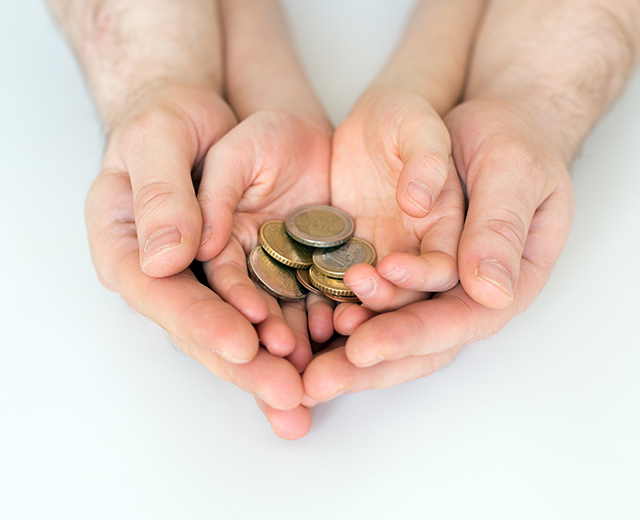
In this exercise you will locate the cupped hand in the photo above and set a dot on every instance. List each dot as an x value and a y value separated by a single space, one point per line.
145 187
520 213
268 165
392 171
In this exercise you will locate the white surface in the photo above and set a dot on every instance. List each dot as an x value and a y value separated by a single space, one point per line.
100 418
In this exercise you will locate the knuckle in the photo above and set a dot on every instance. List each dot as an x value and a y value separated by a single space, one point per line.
149 122
151 198
510 228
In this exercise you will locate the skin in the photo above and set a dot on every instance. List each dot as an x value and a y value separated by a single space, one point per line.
542 74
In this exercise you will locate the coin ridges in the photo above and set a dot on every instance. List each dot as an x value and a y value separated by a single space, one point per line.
328 285
335 261
279 245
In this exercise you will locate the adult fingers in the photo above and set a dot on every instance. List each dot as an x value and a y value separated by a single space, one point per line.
320 317
331 374
179 303
287 424
295 315
424 146
508 178
158 148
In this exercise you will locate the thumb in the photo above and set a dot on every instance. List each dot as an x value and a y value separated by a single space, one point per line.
226 175
424 147
159 154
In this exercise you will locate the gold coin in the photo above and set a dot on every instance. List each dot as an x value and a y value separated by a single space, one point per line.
328 285
335 261
342 299
275 241
303 277
277 279
319 226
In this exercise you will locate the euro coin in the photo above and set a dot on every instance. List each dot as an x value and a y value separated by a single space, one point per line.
303 277
328 285
319 226
335 261
275 241
277 279
343 299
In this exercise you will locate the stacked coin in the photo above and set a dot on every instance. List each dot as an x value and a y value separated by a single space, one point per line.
310 251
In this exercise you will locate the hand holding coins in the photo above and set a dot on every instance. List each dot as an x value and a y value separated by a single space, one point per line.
309 252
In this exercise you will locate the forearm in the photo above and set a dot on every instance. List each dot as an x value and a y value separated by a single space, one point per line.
127 48
562 62
433 55
262 69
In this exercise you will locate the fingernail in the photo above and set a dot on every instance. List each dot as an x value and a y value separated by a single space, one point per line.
398 275
493 272
160 240
364 288
337 394
206 233
420 195
375 361
308 402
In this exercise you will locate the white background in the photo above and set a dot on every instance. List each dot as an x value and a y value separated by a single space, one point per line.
100 418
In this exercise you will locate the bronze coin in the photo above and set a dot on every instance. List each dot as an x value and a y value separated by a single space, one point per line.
303 277
279 245
277 279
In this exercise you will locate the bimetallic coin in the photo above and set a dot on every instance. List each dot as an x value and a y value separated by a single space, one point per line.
319 226
275 241
335 261
343 299
277 279
303 277
328 285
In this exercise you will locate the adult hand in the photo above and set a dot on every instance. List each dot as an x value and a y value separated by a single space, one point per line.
145 185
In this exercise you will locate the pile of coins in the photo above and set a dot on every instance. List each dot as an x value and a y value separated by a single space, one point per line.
309 252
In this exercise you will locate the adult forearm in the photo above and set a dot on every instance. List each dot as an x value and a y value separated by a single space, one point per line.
127 48
560 61
433 55
262 69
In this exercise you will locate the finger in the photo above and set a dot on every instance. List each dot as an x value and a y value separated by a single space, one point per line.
227 173
349 316
506 182
295 315
228 276
331 374
377 293
424 147
159 149
320 317
290 424
436 268
274 332
179 303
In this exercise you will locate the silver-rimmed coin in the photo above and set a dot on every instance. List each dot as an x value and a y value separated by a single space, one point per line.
319 226
335 261
275 278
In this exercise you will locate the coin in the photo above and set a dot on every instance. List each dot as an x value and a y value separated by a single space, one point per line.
335 261
319 226
328 285
303 277
275 241
277 279
343 299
